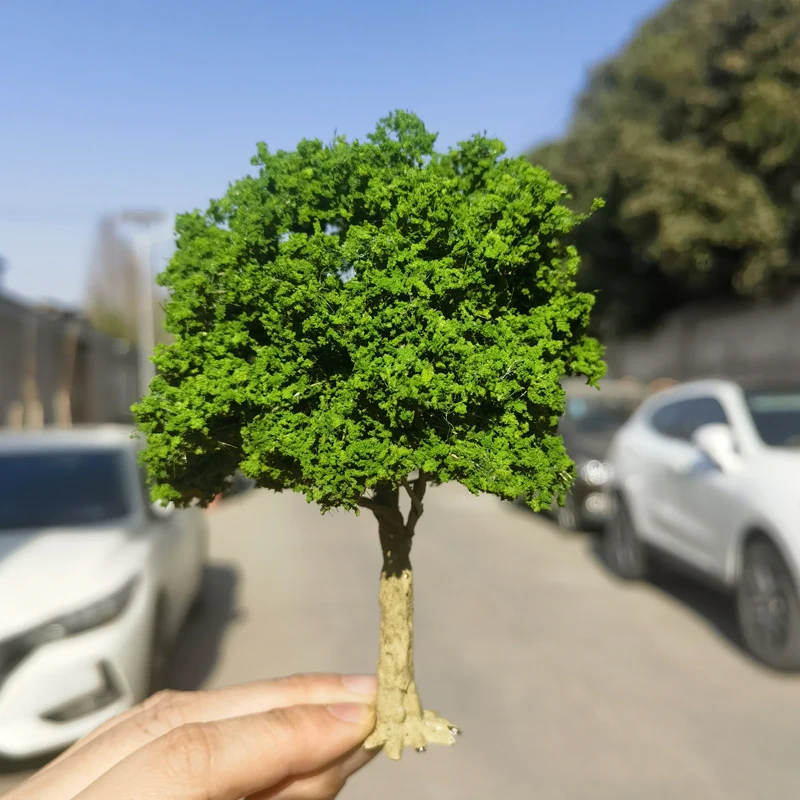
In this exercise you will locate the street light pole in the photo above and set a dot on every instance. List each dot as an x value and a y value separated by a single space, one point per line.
144 312
145 300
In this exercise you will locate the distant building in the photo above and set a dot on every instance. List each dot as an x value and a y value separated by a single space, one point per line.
46 352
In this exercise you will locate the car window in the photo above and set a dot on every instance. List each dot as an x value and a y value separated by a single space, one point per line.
682 418
62 488
664 419
598 415
776 416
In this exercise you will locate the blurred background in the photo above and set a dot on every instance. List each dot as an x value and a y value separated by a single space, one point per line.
684 116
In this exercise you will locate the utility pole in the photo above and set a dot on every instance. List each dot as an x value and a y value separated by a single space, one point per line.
146 335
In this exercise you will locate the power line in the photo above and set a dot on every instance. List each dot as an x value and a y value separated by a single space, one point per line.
65 215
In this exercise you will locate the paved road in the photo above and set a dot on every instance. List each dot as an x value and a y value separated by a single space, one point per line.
567 684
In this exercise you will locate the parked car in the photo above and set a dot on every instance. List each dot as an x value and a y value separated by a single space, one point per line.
591 418
707 474
95 584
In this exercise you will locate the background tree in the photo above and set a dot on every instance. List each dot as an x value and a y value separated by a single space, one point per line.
369 317
692 137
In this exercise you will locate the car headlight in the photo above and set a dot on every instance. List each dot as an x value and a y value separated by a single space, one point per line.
595 472
14 650
99 613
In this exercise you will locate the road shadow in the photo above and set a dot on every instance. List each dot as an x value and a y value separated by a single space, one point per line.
715 608
199 645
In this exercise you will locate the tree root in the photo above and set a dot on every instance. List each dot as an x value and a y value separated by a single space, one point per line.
413 731
412 727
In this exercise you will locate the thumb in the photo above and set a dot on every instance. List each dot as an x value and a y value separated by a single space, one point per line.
238 757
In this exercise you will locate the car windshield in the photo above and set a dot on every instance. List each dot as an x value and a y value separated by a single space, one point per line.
598 415
776 416
61 488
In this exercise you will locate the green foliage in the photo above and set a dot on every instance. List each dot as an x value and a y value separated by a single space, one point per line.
692 135
362 310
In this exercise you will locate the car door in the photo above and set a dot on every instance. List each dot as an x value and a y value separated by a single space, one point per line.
700 500
661 443
710 503
672 457
164 533
190 531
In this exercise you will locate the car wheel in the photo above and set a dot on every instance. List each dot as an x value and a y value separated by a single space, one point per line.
623 550
567 515
768 607
160 652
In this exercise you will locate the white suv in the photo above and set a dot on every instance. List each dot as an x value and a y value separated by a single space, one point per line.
708 473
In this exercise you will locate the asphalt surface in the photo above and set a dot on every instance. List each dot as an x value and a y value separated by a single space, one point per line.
566 683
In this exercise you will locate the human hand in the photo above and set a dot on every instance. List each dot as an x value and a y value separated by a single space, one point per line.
297 738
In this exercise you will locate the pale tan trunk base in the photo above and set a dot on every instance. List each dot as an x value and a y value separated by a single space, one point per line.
401 720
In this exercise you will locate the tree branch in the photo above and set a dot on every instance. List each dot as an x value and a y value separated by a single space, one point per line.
415 501
417 493
378 509
366 502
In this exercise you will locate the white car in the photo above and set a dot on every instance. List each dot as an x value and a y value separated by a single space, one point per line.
707 473
95 584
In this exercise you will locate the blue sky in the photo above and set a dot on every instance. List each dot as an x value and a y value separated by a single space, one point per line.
105 105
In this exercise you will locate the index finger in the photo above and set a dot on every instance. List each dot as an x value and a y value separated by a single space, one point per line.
235 758
163 712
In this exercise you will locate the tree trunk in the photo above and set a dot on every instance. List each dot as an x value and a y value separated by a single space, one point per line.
401 720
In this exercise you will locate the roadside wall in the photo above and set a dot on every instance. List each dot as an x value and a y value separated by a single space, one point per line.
104 377
739 341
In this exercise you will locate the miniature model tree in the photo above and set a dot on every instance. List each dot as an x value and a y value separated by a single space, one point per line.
363 318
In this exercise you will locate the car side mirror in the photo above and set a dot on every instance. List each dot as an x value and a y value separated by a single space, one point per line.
716 442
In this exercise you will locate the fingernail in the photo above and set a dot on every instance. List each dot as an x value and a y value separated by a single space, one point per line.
351 712
361 684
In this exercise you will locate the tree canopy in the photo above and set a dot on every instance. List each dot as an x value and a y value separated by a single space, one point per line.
692 137
359 311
